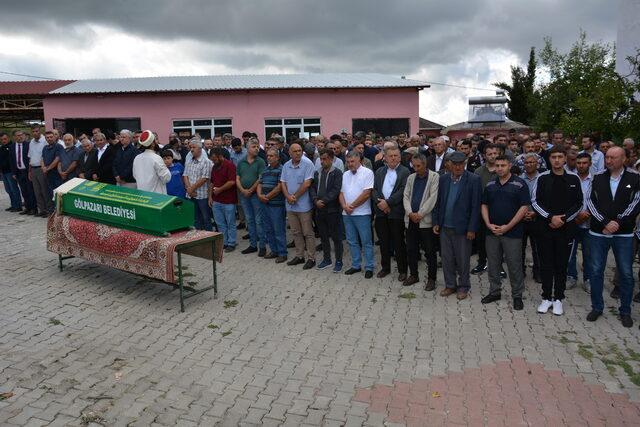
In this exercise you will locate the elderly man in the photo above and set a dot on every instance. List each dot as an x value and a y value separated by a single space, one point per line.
530 147
387 195
197 172
436 161
419 199
456 219
357 184
69 158
85 161
614 205
296 178
149 170
102 161
123 161
269 193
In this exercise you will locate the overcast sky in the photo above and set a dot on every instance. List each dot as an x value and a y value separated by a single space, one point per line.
468 43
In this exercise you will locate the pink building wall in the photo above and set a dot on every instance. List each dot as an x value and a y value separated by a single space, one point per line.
248 109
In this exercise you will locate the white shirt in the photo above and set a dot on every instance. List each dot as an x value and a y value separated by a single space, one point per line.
613 184
101 151
353 184
35 151
439 160
389 182
150 172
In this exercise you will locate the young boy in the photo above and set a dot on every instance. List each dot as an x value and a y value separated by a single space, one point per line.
175 186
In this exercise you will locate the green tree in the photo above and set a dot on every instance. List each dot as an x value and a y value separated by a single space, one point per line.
521 91
584 93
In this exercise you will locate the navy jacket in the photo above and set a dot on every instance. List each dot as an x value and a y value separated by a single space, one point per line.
123 163
467 205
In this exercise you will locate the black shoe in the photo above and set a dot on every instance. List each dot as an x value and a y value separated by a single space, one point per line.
536 277
44 215
615 293
25 212
262 252
15 210
593 316
517 304
296 261
491 298
352 270
309 264
368 274
430 285
291 245
230 249
636 298
246 237
503 274
281 259
270 255
249 250
241 226
479 268
9 209
626 320
33 212
319 247
382 273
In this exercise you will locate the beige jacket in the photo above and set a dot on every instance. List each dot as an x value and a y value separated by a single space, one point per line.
428 202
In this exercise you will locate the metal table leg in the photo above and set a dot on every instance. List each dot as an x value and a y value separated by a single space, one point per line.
180 281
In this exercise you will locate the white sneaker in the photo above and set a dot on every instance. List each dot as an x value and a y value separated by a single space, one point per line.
557 308
544 306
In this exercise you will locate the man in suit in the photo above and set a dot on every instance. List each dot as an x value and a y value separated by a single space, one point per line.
436 162
387 194
85 163
20 169
324 192
456 219
419 199
8 178
102 161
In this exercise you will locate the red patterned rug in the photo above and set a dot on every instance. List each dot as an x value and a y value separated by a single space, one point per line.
130 251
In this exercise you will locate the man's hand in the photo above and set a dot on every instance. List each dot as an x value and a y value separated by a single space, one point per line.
30 175
118 180
436 229
611 227
291 199
320 204
415 217
529 216
582 217
63 175
556 221
263 198
495 229
471 235
14 177
348 209
210 202
384 206
216 191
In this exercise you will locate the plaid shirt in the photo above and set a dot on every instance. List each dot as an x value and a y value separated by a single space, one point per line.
195 169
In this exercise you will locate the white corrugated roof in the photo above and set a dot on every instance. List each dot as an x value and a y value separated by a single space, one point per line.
238 82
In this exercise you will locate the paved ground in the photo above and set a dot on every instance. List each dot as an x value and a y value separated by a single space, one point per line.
96 345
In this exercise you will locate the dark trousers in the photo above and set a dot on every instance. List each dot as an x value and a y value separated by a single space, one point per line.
421 238
554 247
480 243
330 228
390 231
26 188
530 234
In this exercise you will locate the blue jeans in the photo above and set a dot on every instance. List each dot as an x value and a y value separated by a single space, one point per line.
582 238
202 214
54 180
224 215
12 189
623 253
359 226
275 228
253 216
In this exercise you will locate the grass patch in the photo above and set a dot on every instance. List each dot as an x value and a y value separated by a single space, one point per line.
226 333
212 326
374 300
407 295
230 303
54 321
584 351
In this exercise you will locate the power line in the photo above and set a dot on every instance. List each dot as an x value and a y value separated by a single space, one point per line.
26 75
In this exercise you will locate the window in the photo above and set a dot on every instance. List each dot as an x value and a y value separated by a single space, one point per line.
292 128
385 127
206 128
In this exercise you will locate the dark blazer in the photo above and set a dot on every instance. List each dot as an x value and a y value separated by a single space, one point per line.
395 199
431 164
87 166
123 163
623 208
104 167
466 206
25 157
330 198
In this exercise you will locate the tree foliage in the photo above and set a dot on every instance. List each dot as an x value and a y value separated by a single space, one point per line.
521 91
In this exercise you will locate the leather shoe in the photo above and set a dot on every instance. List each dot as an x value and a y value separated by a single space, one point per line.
270 255
462 295
626 320
411 280
309 264
249 250
368 274
382 273
518 304
25 212
430 285
352 270
593 315
491 298
615 293
479 269
281 259
447 291
296 260
402 277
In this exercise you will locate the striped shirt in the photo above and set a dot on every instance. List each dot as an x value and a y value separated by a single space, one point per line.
195 169
269 179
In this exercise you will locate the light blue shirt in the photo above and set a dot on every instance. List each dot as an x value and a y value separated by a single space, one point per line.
389 182
613 183
294 177
236 157
35 151
597 161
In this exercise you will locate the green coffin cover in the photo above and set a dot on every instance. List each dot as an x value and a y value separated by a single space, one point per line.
143 211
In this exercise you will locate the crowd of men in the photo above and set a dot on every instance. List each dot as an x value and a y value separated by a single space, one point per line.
413 196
